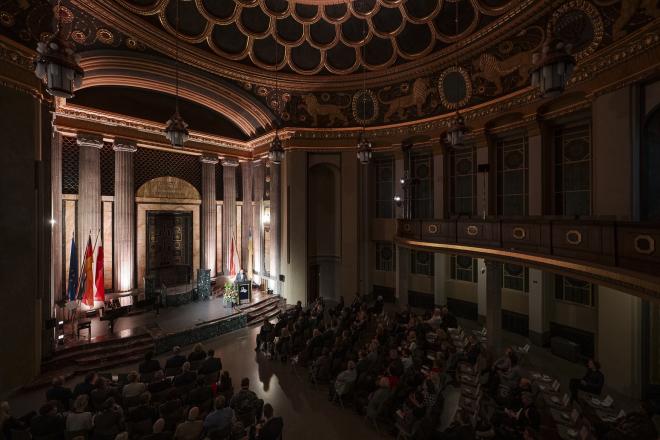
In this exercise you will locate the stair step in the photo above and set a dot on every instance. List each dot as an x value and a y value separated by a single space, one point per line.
261 304
268 316
263 310
105 356
92 348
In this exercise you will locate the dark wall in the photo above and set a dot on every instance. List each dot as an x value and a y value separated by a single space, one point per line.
24 235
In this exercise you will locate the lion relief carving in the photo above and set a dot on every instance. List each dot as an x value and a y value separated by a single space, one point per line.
491 69
628 10
421 89
332 111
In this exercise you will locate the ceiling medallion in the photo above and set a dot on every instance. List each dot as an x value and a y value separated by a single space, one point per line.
579 24
105 36
455 81
78 36
371 108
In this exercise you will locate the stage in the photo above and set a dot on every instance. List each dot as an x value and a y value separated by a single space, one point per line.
147 329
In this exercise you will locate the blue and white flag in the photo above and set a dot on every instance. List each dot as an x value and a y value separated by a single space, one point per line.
72 285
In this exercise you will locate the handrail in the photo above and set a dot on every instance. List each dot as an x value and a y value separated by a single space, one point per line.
624 255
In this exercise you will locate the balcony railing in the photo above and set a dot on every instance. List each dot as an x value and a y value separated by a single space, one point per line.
585 247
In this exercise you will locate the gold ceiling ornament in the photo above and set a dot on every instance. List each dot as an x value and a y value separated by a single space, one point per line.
467 84
359 111
581 18
319 36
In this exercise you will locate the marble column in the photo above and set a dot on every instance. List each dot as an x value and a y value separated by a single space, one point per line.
246 218
540 306
228 209
275 223
258 172
402 275
124 218
57 258
494 305
209 214
89 190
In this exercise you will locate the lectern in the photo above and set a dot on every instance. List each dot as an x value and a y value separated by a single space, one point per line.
244 292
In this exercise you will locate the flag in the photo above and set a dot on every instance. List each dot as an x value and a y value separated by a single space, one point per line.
72 284
88 296
100 290
234 264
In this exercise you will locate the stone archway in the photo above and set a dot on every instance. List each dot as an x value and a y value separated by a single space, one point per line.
166 194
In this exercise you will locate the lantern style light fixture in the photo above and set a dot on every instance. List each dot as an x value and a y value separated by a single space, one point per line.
364 151
276 151
457 131
552 68
364 148
57 64
176 130
457 128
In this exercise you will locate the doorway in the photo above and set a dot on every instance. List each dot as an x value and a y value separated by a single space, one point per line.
169 247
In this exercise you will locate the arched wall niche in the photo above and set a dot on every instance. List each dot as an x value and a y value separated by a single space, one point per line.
168 187
324 225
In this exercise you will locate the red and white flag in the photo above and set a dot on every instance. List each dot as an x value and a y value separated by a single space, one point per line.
99 280
234 262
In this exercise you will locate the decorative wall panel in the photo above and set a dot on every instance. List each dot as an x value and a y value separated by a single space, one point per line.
150 163
69 165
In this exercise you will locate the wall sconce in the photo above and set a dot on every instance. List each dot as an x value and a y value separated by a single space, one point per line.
397 200
265 218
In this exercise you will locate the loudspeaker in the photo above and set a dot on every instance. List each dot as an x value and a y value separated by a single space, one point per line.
282 278
483 168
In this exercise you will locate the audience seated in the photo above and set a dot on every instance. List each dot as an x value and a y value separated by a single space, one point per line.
265 334
80 419
149 365
221 418
134 387
270 428
225 387
176 360
160 383
186 377
592 382
109 422
158 432
211 364
86 386
197 354
48 424
246 404
8 423
192 428
59 393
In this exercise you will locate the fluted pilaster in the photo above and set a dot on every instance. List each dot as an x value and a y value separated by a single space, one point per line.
124 217
246 217
209 214
228 208
257 228
56 216
275 222
89 189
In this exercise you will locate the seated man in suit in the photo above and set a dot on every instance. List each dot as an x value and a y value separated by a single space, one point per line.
160 383
592 382
86 386
186 378
47 424
59 393
211 364
270 428
175 361
149 365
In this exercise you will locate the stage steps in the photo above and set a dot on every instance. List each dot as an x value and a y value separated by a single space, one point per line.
100 355
268 308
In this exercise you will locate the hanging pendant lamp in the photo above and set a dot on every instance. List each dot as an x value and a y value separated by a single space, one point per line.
176 130
57 64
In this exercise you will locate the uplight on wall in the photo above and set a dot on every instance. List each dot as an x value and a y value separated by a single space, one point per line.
265 217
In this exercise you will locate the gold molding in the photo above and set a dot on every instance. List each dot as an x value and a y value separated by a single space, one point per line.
642 285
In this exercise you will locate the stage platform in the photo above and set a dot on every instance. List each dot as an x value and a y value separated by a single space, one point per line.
148 329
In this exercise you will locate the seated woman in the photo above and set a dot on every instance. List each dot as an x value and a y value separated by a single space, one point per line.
225 387
198 353
592 382
80 419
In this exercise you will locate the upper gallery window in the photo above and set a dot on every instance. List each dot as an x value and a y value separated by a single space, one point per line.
512 162
462 181
572 159
384 170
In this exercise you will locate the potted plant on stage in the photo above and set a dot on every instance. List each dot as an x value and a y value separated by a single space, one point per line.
230 295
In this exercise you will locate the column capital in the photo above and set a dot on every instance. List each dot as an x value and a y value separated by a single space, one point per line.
213 160
89 140
230 162
124 145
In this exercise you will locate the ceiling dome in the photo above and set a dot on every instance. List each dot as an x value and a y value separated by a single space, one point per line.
334 37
